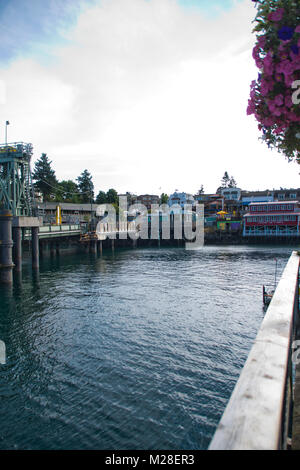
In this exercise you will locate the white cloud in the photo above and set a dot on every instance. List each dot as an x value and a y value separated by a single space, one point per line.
147 95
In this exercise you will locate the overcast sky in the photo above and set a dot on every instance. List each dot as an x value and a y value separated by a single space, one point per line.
149 95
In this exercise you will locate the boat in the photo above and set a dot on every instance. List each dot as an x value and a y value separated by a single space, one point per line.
267 295
269 292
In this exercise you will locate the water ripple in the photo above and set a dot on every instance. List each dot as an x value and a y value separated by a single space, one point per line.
137 350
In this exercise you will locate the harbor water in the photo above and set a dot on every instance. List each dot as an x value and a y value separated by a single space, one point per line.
138 349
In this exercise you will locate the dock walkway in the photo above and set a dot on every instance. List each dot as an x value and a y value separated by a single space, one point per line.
264 409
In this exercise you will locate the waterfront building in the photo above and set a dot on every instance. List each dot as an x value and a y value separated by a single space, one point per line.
286 194
229 225
202 198
210 221
70 213
212 207
181 199
131 198
213 203
269 196
232 201
272 219
255 196
147 200
231 194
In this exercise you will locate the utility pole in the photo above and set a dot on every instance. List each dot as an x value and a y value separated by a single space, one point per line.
91 196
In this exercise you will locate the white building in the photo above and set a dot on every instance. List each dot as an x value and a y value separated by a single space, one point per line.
232 194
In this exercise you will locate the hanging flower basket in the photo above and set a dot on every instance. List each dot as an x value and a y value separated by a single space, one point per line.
275 95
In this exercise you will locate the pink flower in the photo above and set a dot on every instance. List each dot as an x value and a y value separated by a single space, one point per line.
268 64
293 117
266 87
276 15
286 67
274 109
256 57
250 108
268 122
277 55
288 101
278 100
277 131
261 41
289 79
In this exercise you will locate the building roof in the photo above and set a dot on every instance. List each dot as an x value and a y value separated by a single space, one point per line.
67 206
268 214
266 192
289 201
282 190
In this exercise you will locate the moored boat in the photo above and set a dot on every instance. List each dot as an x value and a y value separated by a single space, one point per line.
267 295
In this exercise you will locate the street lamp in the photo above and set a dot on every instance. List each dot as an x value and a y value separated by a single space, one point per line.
6 124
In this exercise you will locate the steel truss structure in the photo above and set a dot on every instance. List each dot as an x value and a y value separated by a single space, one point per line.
16 188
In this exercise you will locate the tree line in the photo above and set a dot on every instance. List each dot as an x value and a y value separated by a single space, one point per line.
82 189
79 191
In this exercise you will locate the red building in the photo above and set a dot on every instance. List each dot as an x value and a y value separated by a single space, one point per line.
272 219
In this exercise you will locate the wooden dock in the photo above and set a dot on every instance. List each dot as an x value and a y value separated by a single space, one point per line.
265 405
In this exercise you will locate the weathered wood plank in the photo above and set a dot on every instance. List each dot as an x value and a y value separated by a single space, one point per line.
253 416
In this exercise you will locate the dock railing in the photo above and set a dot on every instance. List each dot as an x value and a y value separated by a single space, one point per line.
55 230
259 413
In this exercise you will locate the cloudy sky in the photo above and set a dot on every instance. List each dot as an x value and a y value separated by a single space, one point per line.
149 95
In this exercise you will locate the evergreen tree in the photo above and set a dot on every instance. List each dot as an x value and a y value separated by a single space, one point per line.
227 182
101 198
164 198
86 187
232 183
112 196
44 177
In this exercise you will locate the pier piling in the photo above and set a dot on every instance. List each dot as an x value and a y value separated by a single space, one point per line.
35 247
93 247
6 263
17 248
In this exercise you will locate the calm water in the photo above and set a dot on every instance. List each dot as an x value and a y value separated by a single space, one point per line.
140 350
